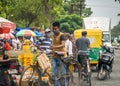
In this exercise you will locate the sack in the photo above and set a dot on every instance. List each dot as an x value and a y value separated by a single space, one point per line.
13 53
44 62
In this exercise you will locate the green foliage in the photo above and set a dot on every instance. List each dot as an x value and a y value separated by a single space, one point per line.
116 31
27 13
42 12
87 12
73 7
69 23
118 0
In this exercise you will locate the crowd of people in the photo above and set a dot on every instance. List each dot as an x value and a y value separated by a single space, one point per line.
43 42
53 39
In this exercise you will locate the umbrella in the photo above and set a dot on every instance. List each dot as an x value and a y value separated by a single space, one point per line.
37 33
6 35
6 25
25 33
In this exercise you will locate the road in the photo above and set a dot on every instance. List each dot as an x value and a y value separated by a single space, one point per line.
115 75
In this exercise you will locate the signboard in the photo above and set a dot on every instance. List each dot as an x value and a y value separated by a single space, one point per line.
102 23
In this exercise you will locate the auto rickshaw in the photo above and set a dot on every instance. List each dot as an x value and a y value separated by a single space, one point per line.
95 37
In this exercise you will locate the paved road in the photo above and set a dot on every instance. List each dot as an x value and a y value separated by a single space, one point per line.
115 75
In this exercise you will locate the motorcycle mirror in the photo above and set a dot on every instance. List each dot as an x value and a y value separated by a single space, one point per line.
103 40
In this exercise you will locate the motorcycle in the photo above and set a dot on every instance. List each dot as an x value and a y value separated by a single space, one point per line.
105 63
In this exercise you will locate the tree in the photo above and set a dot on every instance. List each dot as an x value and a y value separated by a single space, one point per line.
25 11
116 30
118 0
52 9
69 23
40 12
87 12
77 7
4 7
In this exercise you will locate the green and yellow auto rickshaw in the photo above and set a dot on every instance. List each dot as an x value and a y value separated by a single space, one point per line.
95 37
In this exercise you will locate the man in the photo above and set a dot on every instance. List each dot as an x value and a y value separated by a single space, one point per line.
16 43
46 41
82 45
58 45
68 45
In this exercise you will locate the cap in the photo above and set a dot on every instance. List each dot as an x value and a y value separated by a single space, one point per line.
47 30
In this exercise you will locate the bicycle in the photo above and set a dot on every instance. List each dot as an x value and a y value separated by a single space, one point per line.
35 74
31 76
86 71
73 71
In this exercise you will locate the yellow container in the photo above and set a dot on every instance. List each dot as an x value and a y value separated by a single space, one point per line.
27 60
25 55
94 35
26 47
26 64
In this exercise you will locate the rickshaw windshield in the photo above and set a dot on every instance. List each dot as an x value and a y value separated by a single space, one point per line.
106 37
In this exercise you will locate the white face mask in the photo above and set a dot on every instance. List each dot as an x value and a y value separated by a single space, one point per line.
48 35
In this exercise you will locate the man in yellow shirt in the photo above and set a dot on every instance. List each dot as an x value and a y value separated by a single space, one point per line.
58 45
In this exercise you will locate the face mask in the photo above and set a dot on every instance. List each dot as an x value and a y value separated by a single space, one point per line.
48 34
56 32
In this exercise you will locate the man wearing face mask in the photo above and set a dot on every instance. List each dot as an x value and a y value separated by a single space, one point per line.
58 45
46 41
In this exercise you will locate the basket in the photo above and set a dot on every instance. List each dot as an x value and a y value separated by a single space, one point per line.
44 62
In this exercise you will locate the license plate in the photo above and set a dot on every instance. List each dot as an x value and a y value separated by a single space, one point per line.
12 71
106 58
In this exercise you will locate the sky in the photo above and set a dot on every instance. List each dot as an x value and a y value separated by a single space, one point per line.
105 8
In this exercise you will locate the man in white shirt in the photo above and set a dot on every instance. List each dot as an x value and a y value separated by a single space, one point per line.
68 45
16 43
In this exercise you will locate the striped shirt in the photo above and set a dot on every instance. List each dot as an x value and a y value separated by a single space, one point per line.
45 43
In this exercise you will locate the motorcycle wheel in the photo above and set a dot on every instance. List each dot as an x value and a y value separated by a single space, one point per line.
102 74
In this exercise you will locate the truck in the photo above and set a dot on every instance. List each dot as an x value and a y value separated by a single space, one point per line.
102 23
